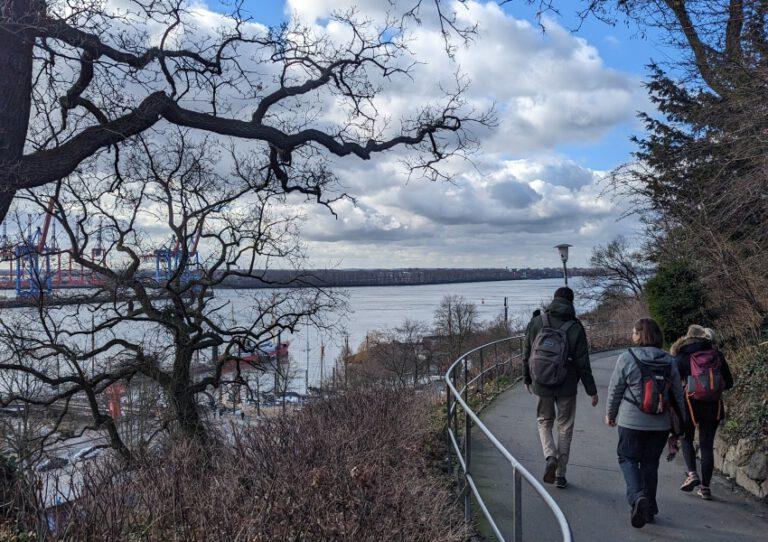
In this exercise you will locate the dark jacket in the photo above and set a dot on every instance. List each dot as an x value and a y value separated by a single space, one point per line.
578 368
700 411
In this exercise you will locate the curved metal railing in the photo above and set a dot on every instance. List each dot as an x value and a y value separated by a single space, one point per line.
497 358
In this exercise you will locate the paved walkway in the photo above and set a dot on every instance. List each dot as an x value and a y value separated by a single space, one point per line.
594 503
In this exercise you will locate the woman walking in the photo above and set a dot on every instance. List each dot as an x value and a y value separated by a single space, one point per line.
706 375
644 388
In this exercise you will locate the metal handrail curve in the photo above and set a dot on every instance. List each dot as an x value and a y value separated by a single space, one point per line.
455 397
459 397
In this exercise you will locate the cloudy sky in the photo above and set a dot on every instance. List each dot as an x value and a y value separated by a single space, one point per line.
566 104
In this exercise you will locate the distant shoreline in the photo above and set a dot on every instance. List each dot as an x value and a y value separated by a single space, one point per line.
354 278
350 278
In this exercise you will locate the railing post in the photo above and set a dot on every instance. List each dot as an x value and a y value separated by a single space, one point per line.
466 380
456 425
517 507
481 370
448 417
467 461
467 446
455 410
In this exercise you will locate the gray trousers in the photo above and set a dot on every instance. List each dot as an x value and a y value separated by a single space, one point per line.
560 410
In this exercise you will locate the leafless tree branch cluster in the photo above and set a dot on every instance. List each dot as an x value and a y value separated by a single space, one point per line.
616 271
141 329
88 77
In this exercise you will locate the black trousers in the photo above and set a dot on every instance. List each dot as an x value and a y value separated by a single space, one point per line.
707 430
639 453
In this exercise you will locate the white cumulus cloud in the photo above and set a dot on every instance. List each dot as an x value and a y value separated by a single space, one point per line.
518 196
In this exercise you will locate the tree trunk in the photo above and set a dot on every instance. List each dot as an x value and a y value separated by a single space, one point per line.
15 92
188 417
183 400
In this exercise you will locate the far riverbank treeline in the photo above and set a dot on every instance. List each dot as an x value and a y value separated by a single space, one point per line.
282 278
346 278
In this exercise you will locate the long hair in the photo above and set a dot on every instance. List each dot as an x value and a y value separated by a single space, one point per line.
650 332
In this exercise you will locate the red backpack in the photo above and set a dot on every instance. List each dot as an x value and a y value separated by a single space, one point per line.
705 383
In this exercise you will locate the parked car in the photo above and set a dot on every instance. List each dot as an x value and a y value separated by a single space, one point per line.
13 410
55 462
91 452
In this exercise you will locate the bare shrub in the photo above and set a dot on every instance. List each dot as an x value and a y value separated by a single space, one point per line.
356 467
617 272
456 321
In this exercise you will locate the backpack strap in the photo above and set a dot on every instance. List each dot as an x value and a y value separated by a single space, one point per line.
545 319
567 325
690 410
633 400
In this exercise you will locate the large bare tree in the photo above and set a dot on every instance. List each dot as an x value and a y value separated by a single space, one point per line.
128 121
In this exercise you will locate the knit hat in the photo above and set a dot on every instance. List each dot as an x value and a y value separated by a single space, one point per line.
711 335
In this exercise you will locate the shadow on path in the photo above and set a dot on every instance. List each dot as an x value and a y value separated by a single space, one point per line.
594 503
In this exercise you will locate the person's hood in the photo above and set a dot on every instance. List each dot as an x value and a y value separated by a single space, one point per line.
688 345
651 354
562 308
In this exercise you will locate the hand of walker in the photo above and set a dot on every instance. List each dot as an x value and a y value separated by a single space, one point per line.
610 422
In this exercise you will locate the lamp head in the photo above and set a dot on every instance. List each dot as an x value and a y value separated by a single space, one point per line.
563 250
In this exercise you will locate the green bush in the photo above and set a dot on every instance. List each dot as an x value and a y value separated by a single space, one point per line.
747 403
676 299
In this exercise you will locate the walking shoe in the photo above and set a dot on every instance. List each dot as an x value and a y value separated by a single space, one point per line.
639 512
653 509
561 482
690 482
549 471
704 493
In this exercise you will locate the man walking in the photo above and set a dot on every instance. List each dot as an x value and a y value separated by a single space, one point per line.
555 358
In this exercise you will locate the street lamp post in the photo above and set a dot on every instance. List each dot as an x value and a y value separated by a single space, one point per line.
563 250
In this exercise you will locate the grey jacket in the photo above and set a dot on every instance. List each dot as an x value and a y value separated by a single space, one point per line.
626 376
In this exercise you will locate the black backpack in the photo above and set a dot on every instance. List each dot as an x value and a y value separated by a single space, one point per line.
549 353
656 384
